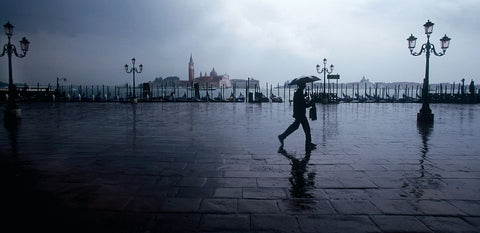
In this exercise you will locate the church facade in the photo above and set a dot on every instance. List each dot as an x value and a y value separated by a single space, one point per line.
208 80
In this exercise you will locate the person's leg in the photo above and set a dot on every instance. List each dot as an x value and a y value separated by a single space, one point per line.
306 129
294 126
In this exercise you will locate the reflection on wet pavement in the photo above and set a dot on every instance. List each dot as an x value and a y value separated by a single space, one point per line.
183 167
300 185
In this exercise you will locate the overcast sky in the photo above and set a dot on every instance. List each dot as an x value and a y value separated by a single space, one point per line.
90 41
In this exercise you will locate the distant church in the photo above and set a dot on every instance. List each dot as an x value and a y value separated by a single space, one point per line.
212 80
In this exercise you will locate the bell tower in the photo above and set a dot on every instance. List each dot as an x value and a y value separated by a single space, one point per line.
191 72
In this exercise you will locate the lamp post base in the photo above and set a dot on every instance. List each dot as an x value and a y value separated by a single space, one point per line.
425 114
134 100
13 113
425 117
12 118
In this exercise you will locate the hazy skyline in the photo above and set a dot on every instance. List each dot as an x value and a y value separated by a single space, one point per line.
90 41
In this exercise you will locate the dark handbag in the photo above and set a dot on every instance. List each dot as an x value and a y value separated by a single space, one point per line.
313 113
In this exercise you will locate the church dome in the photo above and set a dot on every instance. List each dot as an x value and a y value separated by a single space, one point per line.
213 73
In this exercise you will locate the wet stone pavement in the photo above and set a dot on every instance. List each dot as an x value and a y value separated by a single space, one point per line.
215 167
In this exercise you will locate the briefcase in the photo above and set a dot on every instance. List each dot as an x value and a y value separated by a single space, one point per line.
313 113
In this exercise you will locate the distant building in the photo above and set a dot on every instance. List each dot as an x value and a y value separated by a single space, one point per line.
213 79
191 70
364 80
242 83
210 80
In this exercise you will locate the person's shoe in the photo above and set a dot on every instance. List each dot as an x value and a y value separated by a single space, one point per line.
310 146
280 138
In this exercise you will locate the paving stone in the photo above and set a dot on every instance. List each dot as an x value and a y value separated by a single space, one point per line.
169 180
186 222
273 182
328 182
264 193
228 193
337 224
402 207
472 208
355 207
336 167
386 194
231 182
306 206
257 206
462 174
234 167
157 190
285 168
195 192
108 189
428 194
241 174
475 221
146 204
274 223
357 183
218 206
447 224
203 173
315 193
81 188
386 182
109 202
347 194
192 182
277 161
180 205
430 207
219 223
115 222
399 224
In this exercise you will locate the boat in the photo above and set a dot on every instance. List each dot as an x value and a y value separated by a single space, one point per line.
240 98
206 98
260 98
231 98
276 99
219 98
346 98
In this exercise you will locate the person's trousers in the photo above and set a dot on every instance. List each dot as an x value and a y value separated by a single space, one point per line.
294 126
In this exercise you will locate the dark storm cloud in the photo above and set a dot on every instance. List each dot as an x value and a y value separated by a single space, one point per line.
90 40
100 17
63 17
66 34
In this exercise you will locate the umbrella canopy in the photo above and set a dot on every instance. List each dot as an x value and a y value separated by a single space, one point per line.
304 79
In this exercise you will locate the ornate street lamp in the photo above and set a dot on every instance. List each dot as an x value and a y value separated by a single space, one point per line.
12 108
325 71
425 114
134 70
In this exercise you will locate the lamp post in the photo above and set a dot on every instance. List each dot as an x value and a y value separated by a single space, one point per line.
12 108
134 70
58 84
425 114
325 71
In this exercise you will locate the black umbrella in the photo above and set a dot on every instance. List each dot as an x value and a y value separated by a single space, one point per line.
304 79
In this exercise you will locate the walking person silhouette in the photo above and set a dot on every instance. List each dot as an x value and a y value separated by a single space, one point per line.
299 110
